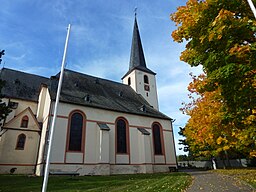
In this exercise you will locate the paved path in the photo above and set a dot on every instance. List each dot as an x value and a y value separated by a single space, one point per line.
208 181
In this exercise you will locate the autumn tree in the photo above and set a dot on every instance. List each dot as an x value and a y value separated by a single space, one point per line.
206 134
220 36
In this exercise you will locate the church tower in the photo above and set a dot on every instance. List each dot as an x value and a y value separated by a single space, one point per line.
139 77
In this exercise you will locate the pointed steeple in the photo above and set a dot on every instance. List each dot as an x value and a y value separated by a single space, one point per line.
139 77
137 59
137 56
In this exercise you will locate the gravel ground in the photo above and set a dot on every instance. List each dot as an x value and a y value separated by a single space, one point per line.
208 181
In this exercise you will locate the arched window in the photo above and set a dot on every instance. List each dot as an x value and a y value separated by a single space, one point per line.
157 139
75 132
121 136
129 81
21 142
146 79
24 122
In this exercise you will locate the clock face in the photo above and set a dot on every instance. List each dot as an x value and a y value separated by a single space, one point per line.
146 87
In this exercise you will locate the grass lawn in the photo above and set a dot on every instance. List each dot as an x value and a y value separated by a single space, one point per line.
140 182
247 175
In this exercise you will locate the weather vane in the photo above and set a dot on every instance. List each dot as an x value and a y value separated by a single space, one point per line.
135 11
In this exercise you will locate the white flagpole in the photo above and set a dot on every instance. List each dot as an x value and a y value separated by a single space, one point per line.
51 131
252 7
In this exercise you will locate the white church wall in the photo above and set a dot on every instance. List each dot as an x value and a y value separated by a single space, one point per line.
18 169
141 147
15 123
42 104
132 77
137 83
11 154
23 160
22 105
92 143
145 153
112 148
73 157
122 159
47 105
170 151
151 97
148 149
166 125
104 147
40 159
138 159
59 141
25 104
159 159
135 150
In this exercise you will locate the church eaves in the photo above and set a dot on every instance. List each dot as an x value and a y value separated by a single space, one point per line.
137 58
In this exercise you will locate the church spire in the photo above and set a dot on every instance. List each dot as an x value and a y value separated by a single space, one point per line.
139 77
137 59
137 56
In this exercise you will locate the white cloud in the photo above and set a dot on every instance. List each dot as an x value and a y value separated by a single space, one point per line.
110 68
167 92
18 57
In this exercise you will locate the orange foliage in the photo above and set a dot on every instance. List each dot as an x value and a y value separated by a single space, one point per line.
220 36
204 131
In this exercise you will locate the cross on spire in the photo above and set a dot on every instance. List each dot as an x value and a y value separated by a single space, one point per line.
135 11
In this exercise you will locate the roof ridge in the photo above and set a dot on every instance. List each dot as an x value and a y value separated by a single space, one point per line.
27 73
100 78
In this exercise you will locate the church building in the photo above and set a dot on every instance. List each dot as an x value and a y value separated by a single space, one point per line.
102 127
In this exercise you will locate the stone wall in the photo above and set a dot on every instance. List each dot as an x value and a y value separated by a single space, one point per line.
235 163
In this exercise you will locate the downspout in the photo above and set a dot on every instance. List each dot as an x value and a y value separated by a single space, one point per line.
174 144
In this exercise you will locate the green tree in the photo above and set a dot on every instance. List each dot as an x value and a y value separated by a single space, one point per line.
182 157
220 36
4 109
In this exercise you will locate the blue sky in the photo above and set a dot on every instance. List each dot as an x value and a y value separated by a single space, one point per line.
33 35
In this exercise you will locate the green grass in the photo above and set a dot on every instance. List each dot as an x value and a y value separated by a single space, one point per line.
247 175
134 183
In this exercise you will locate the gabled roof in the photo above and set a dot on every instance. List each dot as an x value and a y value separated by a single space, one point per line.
33 123
81 89
21 85
137 59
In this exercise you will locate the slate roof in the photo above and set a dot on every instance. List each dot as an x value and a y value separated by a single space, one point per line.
137 59
79 89
21 85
